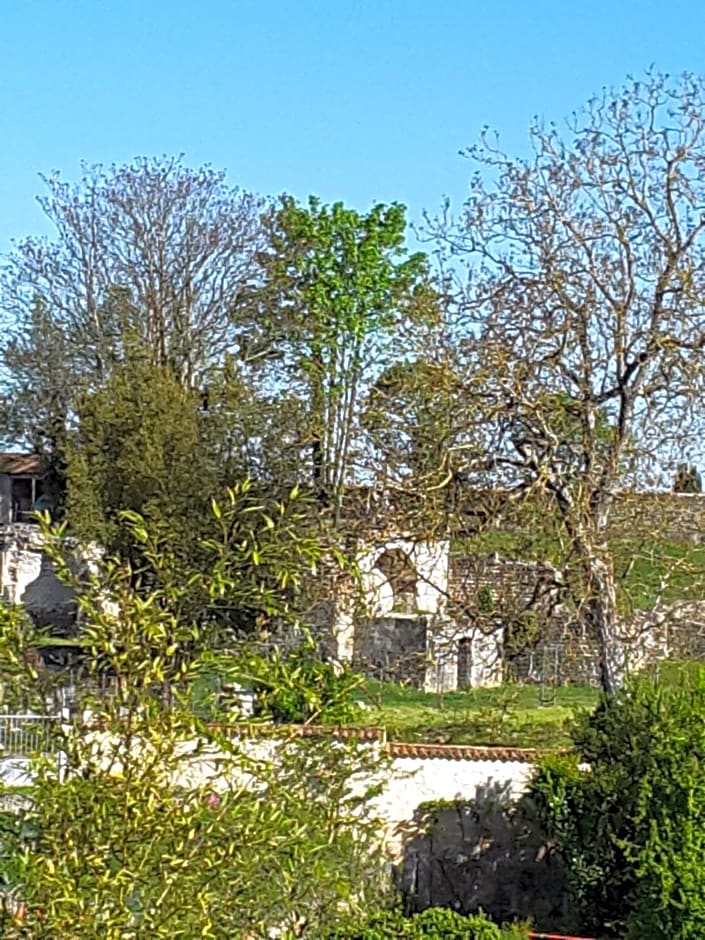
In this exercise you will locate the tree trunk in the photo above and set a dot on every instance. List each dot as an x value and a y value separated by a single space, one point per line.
319 439
600 610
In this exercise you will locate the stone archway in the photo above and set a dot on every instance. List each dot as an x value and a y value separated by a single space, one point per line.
402 577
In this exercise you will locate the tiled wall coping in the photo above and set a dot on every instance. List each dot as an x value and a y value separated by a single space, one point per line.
400 749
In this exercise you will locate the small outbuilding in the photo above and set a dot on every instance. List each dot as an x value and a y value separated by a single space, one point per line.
20 487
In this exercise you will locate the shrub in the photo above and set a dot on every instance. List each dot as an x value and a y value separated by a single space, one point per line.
435 923
163 826
632 829
289 686
298 686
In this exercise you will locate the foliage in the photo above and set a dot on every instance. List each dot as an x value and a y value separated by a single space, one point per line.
581 328
245 564
521 632
632 829
338 285
436 923
157 824
152 258
178 245
292 685
486 600
140 447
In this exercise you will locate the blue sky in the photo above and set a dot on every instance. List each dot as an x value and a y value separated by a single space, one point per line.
350 99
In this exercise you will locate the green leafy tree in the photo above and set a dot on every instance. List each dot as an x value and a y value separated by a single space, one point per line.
140 446
339 289
147 445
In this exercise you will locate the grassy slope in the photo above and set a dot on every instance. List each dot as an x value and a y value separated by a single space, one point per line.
647 569
509 715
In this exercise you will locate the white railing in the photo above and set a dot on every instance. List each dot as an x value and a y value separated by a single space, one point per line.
25 735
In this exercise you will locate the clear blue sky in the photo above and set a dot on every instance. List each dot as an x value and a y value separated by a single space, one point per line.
359 100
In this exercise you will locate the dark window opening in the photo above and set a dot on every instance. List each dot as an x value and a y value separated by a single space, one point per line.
465 663
25 493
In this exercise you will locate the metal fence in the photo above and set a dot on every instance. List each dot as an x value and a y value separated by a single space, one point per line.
26 735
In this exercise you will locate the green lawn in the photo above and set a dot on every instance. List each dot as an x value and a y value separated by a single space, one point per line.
508 715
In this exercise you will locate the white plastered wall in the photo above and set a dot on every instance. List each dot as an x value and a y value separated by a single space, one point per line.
430 561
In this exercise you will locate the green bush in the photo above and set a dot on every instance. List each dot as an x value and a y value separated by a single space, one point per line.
632 829
289 687
298 686
435 923
162 825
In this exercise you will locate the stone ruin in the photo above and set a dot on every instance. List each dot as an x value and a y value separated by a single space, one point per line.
402 626
435 619
443 621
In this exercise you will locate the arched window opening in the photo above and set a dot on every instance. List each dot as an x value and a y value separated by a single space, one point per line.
397 568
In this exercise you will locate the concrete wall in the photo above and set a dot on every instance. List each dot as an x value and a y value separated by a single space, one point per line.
483 850
456 821
414 781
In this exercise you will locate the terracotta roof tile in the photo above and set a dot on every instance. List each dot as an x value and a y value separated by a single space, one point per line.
462 752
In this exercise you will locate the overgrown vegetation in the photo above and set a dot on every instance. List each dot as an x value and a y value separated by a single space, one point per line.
631 829
176 336
158 824
293 685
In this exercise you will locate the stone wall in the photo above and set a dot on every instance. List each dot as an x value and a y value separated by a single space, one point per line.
499 596
489 588
678 517
393 647
27 577
458 826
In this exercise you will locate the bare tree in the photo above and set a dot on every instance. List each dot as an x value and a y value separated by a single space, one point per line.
584 318
152 253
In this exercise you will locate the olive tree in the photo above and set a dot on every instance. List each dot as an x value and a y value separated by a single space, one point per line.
583 320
